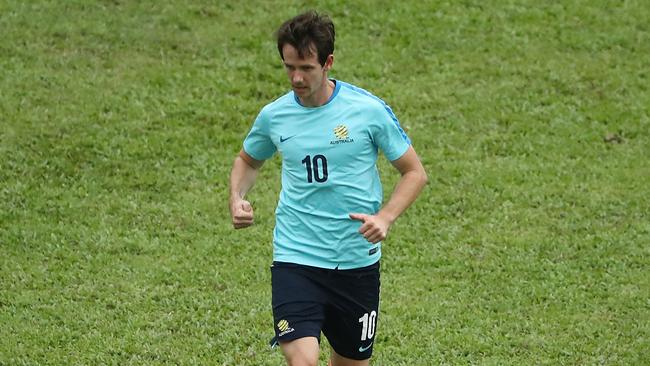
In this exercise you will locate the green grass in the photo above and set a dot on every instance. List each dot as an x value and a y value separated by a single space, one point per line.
119 122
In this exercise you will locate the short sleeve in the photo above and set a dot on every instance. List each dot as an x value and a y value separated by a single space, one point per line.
388 135
258 143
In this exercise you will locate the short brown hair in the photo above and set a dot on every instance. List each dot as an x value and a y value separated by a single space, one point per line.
307 31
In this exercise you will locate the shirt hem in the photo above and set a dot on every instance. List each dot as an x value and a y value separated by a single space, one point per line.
372 259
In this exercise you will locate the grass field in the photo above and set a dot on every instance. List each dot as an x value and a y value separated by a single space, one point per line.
119 121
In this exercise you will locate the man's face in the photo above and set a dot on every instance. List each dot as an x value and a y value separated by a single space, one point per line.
306 75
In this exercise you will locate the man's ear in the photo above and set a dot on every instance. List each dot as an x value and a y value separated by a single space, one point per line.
329 62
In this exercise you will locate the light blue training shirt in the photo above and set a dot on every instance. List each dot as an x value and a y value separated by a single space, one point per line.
329 170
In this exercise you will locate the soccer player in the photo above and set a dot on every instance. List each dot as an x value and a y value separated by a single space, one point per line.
329 218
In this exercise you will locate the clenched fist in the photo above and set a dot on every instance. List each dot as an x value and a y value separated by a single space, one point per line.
241 213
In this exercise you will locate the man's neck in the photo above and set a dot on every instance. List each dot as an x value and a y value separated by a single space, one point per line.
322 96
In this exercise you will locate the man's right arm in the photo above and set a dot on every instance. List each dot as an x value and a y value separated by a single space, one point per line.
242 177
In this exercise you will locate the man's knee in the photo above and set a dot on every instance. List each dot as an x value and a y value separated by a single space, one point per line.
302 361
301 351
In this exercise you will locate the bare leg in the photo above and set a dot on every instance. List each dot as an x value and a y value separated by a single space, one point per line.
301 352
338 360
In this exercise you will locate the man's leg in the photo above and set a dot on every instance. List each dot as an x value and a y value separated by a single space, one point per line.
351 322
338 360
301 352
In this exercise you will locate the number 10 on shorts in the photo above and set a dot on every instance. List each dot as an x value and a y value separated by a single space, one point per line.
368 325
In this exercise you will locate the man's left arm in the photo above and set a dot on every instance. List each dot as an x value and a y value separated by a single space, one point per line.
375 227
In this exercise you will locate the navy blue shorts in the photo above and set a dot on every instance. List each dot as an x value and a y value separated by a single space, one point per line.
343 304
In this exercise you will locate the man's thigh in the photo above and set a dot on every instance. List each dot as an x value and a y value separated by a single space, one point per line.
351 314
298 302
338 360
301 351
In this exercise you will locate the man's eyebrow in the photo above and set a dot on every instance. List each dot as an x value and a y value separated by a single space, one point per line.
302 66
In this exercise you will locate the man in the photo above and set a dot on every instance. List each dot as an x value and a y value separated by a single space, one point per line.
329 219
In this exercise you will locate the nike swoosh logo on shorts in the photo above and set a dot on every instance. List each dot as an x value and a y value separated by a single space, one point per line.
283 139
364 349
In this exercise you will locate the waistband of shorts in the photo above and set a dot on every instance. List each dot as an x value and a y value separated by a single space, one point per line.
371 267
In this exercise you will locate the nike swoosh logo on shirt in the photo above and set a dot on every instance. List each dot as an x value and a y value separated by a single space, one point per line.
364 349
283 139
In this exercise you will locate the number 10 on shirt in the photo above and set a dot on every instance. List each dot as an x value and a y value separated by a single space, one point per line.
316 168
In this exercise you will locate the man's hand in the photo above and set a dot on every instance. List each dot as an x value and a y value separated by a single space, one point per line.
374 227
241 212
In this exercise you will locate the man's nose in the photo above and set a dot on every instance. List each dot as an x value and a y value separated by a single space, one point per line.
296 78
